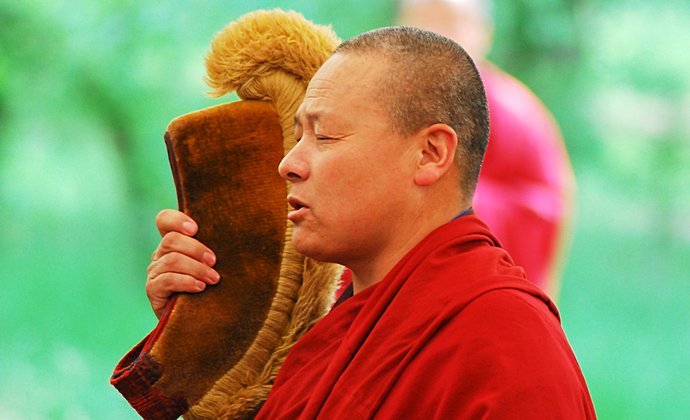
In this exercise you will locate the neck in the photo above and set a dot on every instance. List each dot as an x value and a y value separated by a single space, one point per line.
368 272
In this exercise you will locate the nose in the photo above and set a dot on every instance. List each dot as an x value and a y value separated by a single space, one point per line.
294 167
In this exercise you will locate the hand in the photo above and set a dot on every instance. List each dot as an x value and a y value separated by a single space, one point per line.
180 263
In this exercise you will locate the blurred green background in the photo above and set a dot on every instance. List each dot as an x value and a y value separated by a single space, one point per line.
87 89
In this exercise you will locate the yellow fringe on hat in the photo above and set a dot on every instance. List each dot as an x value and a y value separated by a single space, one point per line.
271 55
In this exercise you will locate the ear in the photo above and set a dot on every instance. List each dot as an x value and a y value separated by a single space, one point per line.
438 143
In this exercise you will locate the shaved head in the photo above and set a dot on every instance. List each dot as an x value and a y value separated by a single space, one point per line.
429 79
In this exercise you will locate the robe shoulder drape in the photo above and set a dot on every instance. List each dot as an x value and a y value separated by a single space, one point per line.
453 331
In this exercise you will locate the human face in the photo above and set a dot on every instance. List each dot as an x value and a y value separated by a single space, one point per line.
351 174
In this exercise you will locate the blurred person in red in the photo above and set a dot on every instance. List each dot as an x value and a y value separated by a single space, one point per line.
526 185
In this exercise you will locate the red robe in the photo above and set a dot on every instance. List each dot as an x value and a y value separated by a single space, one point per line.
453 331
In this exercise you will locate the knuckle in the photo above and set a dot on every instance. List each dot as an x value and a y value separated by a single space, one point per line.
163 282
161 217
168 283
150 286
160 285
169 261
169 242
151 269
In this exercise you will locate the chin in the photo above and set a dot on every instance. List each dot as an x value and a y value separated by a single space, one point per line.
315 251
304 246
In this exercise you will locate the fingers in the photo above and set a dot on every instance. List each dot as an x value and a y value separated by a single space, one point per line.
160 289
177 242
180 263
175 221
174 273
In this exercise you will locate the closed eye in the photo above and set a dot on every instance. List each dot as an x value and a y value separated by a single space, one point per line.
325 137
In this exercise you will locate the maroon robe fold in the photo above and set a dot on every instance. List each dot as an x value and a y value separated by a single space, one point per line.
453 331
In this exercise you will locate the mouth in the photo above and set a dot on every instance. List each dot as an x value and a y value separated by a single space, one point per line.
296 203
300 208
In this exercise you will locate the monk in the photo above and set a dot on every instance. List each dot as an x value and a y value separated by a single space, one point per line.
439 322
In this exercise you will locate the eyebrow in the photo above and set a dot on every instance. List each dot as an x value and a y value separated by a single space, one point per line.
309 116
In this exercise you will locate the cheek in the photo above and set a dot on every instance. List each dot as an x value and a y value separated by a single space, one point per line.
357 184
344 192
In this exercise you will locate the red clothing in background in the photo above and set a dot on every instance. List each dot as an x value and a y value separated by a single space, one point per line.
453 331
526 183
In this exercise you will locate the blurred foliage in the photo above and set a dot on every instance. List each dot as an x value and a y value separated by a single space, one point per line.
87 88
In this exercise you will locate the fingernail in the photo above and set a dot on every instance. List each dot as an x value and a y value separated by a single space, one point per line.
214 276
209 258
189 228
200 285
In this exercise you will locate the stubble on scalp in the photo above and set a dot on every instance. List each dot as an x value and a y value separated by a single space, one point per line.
429 79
